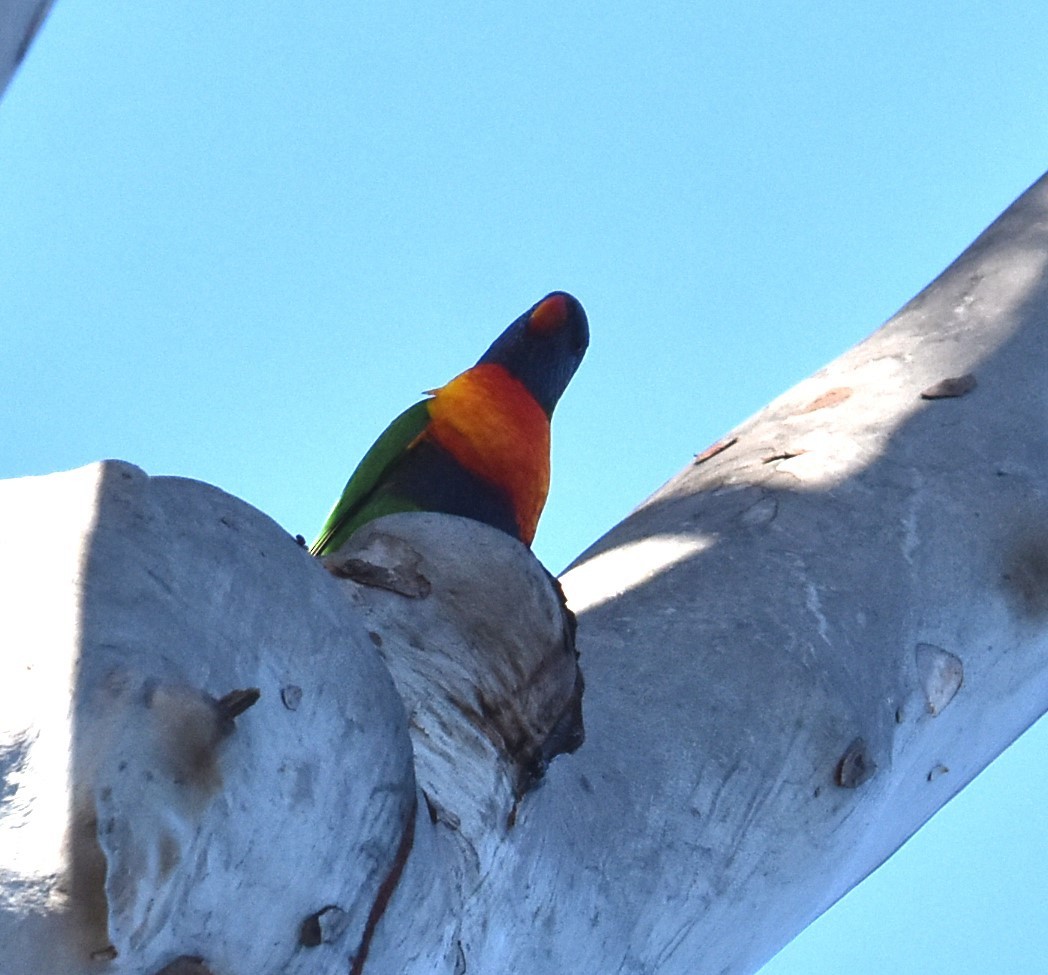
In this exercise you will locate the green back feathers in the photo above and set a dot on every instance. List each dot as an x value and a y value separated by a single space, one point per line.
481 457
359 502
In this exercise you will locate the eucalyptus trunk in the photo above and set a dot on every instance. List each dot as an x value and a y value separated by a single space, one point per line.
216 756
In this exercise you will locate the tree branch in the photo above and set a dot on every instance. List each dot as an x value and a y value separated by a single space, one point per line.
795 652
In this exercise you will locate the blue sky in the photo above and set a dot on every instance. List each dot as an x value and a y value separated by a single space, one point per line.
236 239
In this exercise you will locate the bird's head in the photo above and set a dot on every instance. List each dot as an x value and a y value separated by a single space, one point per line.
544 347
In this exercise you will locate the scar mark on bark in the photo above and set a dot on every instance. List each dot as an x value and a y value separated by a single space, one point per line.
385 892
783 455
950 388
830 398
856 765
719 447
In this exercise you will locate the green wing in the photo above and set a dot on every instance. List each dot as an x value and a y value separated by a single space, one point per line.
358 504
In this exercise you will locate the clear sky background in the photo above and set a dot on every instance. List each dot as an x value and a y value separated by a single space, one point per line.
237 238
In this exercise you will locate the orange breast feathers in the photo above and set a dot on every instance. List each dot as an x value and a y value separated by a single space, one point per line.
489 422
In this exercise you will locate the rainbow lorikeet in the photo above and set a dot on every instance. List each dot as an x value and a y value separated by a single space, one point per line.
479 445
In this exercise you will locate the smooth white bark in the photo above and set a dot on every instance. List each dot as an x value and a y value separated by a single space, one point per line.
824 579
136 820
795 652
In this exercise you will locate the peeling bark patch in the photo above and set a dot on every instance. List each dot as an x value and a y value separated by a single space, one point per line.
309 935
950 388
323 927
405 580
235 703
1026 573
385 892
384 562
832 397
856 765
291 696
937 771
783 455
441 814
941 674
719 447
431 808
761 513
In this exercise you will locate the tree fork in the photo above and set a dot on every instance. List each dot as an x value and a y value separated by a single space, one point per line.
795 652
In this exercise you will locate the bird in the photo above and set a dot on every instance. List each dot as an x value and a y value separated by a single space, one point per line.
478 446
